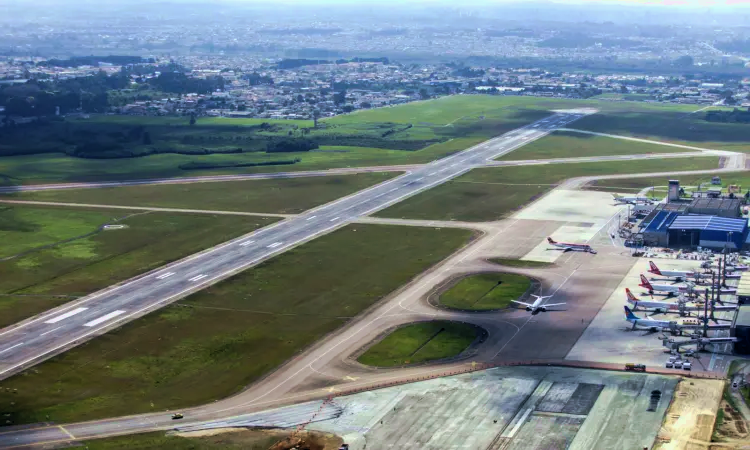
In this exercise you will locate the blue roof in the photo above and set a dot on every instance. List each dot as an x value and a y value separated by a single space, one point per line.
661 221
712 223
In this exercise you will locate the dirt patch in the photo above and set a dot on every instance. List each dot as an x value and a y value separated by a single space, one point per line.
267 439
689 421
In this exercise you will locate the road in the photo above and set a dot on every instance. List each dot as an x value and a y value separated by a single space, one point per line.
43 336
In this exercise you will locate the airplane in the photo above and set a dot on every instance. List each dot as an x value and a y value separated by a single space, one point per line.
571 247
669 289
537 306
631 200
665 307
651 324
678 275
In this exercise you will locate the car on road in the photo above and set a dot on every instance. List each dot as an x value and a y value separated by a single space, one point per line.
177 416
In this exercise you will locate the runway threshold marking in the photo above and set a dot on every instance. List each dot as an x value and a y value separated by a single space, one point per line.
275 244
246 243
104 318
311 218
66 315
165 275
199 277
11 348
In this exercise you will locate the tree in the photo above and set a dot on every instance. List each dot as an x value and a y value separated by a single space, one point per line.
146 138
423 94
192 119
340 97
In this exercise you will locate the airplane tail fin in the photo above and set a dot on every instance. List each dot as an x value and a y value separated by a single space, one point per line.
551 241
631 297
645 283
653 269
629 314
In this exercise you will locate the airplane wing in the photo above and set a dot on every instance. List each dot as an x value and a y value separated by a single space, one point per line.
553 304
522 303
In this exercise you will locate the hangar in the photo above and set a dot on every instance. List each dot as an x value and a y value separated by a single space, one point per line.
707 231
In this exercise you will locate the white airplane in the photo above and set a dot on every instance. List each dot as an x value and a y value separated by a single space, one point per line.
571 247
678 275
537 306
669 289
665 307
651 324
631 200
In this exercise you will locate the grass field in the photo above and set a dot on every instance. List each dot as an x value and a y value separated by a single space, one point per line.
493 193
245 440
741 179
43 278
563 144
520 263
420 342
486 291
231 333
281 196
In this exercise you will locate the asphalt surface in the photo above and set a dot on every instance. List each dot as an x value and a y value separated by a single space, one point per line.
39 338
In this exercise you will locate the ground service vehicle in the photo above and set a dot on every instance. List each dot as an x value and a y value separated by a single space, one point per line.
177 416
630 367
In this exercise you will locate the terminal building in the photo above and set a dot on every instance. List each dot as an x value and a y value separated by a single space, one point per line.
699 222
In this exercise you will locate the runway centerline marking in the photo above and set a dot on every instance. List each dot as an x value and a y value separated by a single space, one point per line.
246 243
66 315
11 348
50 331
165 275
275 244
311 218
334 219
199 277
103 318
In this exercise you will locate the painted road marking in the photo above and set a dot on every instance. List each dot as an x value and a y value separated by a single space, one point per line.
334 219
274 245
199 277
431 174
103 318
394 189
311 218
419 179
246 243
520 422
11 348
165 275
66 315
50 331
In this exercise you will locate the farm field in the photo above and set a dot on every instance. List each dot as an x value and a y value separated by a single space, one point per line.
564 144
35 278
420 342
231 333
280 196
493 193
485 291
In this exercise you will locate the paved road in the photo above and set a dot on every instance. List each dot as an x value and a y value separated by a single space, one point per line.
39 338
207 178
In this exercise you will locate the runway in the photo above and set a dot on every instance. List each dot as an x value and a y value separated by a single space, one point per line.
39 338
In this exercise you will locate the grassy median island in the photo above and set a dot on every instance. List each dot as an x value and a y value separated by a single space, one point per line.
280 196
485 291
521 263
51 255
215 342
494 193
421 342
